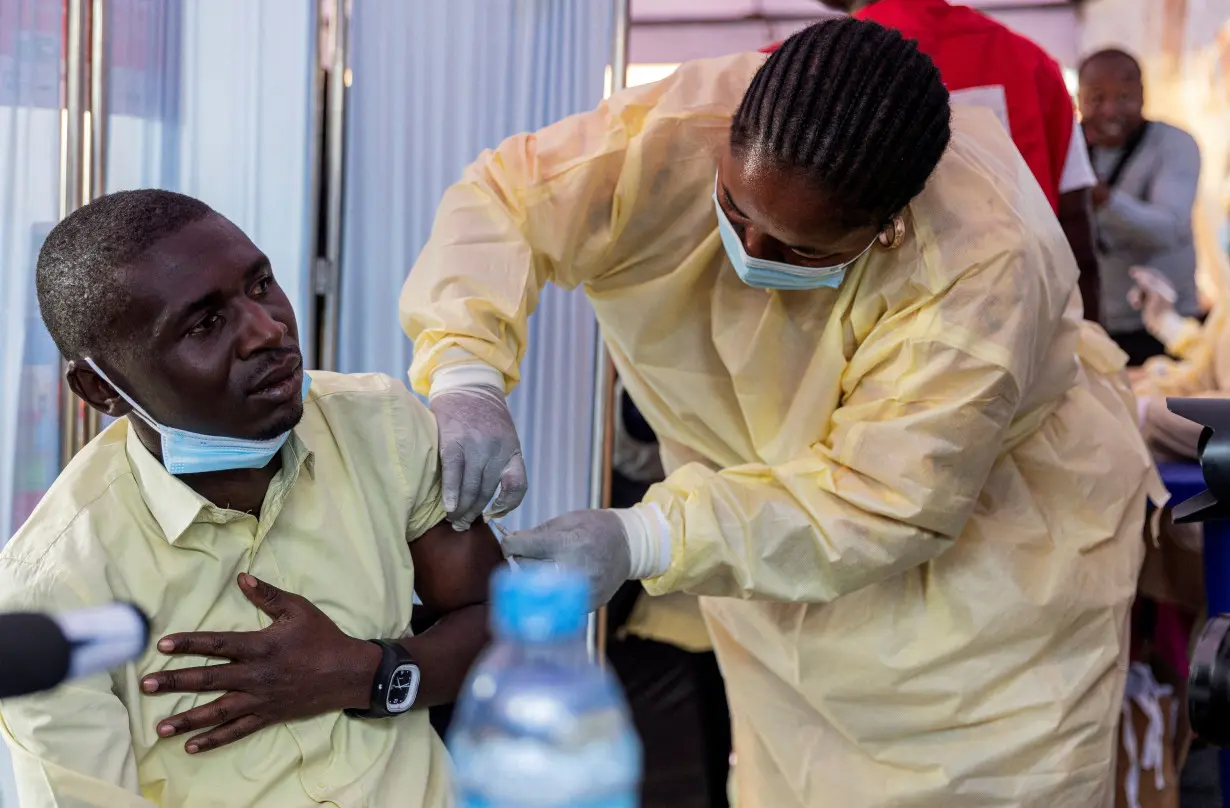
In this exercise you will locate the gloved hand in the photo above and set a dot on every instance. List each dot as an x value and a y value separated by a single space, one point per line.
479 450
1154 297
607 546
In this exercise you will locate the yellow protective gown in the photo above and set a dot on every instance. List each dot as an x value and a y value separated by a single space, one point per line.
916 513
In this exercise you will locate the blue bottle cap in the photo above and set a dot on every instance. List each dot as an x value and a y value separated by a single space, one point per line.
539 603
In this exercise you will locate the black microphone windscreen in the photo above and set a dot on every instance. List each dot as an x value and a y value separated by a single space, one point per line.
34 654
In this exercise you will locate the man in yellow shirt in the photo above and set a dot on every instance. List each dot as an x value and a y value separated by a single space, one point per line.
273 554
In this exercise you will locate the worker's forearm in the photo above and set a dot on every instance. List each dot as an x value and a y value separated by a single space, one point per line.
792 543
1076 218
1091 291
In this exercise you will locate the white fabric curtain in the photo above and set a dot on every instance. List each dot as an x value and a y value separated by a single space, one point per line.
30 56
211 98
433 84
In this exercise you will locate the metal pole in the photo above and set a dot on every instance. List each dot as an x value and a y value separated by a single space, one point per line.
602 430
73 188
310 340
329 270
98 100
76 87
96 178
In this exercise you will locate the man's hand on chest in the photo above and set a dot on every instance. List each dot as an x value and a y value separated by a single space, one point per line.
301 665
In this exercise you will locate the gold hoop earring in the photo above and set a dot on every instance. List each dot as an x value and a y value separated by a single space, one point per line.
892 236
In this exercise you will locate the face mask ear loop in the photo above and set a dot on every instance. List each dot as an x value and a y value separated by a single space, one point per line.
136 408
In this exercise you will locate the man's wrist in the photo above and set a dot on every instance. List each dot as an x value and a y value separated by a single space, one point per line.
362 665
394 686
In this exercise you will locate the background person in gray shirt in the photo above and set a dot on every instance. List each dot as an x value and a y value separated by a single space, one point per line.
1147 175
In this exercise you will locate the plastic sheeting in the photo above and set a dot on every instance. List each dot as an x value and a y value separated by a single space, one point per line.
211 98
30 56
432 85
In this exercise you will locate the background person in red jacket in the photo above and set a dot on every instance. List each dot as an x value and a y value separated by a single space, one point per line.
983 62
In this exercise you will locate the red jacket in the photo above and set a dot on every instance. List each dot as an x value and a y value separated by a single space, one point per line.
972 50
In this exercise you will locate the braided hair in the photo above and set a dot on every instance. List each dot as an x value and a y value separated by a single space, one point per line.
857 108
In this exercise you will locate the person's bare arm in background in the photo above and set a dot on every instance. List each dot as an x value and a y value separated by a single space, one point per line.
1076 218
1076 180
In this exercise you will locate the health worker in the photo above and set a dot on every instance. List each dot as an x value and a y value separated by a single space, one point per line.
904 476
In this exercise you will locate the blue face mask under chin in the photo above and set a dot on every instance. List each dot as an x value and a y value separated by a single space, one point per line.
764 274
185 452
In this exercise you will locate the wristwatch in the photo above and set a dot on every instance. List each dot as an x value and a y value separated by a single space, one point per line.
396 685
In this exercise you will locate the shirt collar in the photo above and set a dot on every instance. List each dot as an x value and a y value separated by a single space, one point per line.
172 503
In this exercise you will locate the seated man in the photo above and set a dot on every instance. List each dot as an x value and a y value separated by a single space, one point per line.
283 546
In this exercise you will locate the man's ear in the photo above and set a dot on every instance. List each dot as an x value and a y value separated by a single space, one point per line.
91 389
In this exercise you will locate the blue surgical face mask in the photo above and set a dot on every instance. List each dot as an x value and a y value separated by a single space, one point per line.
764 274
185 452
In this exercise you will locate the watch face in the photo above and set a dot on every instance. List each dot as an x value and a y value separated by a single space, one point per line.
403 688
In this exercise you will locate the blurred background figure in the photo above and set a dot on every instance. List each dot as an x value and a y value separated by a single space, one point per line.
985 63
1148 172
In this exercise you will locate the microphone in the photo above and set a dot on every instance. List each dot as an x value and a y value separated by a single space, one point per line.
40 651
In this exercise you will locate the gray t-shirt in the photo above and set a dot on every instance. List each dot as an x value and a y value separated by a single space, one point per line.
1148 221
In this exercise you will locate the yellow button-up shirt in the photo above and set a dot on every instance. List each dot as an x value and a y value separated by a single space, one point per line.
360 478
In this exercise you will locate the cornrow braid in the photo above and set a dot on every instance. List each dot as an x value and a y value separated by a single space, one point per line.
856 107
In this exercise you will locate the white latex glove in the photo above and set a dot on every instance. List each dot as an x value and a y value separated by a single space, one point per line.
479 447
607 546
1154 297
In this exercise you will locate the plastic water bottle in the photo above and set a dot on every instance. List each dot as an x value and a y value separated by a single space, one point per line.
537 725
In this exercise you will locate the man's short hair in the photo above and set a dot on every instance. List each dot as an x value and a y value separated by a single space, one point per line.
1112 55
78 280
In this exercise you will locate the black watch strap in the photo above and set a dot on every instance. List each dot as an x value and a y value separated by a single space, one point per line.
392 657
